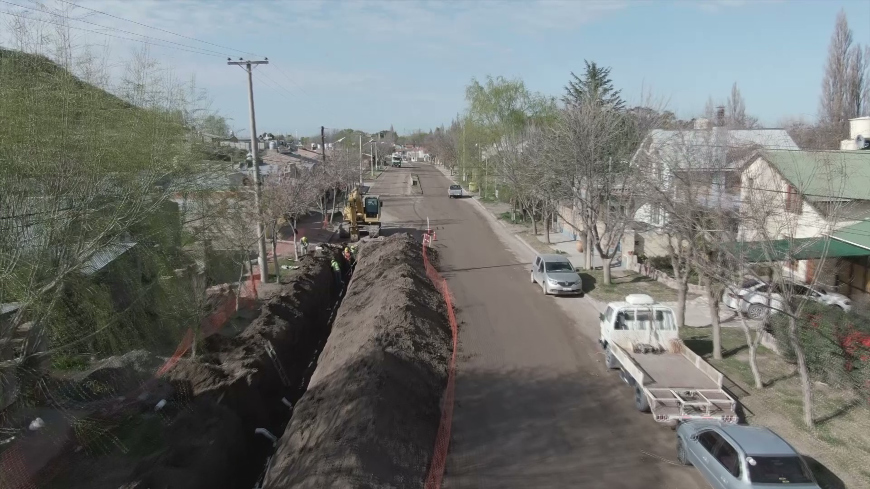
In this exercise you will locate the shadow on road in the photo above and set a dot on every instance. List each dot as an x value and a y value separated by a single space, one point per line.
537 428
825 478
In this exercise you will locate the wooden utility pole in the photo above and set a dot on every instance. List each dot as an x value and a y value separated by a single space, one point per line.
323 142
248 65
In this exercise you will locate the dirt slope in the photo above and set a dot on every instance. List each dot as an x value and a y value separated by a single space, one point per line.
371 412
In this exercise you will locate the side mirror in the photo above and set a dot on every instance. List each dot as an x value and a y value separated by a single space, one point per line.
601 316
382 203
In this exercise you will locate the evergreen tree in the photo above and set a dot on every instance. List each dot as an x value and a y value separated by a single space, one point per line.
595 85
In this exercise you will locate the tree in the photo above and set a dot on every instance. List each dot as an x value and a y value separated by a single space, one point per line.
595 84
215 124
845 93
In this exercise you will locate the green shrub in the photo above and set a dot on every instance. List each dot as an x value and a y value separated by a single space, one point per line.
836 344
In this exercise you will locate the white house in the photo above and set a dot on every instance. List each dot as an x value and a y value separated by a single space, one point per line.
809 209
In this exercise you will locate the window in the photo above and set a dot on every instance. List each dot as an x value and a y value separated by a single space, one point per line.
709 440
793 201
559 266
655 214
778 470
749 283
608 314
664 320
728 457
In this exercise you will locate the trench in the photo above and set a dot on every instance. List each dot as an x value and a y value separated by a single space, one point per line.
297 356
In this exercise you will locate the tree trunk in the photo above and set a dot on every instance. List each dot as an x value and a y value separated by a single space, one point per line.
513 210
806 382
334 195
752 343
713 304
295 249
605 268
587 249
547 229
275 252
682 291
241 278
534 222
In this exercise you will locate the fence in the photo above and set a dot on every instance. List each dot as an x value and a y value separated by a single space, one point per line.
442 440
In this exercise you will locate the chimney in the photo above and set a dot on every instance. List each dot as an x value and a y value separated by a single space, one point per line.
720 116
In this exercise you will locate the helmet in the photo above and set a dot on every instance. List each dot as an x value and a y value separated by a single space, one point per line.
304 239
346 249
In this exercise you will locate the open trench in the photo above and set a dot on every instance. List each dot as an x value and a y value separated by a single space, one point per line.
244 386
357 405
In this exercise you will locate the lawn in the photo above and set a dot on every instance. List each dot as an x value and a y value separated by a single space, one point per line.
624 283
838 447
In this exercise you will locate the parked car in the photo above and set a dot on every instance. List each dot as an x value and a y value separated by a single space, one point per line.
455 191
556 275
752 297
731 456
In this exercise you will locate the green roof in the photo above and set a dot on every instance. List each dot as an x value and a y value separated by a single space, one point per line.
796 249
822 174
856 234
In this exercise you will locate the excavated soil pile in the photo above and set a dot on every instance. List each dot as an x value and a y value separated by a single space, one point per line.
204 437
237 378
371 412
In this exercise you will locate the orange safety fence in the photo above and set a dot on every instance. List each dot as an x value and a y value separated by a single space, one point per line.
14 472
442 439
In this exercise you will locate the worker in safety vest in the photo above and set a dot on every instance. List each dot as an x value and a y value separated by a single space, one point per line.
336 270
304 246
353 252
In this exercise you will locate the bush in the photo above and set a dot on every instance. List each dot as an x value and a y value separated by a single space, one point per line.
836 344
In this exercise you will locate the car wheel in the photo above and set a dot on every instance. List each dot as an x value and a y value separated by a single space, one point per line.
756 311
609 361
682 456
640 400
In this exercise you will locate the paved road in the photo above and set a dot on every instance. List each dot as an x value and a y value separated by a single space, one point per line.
534 404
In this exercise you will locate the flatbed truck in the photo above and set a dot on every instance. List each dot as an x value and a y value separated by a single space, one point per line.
640 338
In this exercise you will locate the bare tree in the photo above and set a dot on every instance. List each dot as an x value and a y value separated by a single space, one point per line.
845 84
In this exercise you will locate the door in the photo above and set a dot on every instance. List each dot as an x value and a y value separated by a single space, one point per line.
726 466
702 448
536 272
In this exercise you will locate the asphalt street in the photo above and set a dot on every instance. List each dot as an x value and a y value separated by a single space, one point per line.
534 405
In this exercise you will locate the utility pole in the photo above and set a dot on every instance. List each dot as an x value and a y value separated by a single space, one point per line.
248 65
360 163
323 142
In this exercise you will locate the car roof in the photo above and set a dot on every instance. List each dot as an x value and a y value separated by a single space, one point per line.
554 257
756 440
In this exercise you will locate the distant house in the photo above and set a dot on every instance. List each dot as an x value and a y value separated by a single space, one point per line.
811 210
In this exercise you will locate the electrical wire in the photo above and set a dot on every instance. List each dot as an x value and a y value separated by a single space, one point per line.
157 28
110 35
112 28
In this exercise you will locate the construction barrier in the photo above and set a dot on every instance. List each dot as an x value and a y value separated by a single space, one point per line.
442 440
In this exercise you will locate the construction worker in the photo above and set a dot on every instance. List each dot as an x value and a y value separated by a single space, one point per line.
353 252
304 246
348 257
336 270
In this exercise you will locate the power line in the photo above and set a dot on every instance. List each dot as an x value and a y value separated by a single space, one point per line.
110 28
110 35
158 28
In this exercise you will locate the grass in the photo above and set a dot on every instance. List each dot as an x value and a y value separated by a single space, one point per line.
623 284
838 446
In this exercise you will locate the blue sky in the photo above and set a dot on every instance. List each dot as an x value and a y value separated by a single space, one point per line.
370 64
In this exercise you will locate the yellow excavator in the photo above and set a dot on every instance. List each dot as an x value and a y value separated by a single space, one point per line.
362 212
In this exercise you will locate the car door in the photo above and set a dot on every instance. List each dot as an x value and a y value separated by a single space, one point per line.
538 268
703 446
726 466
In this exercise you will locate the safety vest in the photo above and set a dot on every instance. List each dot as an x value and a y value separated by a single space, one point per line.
336 266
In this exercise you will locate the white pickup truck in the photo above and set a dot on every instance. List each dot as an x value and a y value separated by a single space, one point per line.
454 192
640 337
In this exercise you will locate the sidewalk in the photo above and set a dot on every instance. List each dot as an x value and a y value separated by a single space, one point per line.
568 246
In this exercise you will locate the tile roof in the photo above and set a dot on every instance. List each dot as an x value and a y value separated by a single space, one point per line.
103 257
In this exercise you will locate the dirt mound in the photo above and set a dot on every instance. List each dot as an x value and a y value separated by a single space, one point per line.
371 412
204 435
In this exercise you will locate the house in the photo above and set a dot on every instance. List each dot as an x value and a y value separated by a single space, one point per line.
807 210
710 159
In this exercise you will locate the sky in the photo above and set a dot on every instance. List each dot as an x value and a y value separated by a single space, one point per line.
405 63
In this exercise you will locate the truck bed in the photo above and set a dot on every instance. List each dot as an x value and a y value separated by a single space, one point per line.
672 370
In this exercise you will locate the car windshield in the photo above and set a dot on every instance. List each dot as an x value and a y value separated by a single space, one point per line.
749 283
559 266
454 187
778 470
